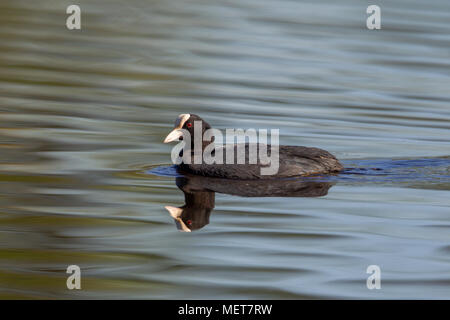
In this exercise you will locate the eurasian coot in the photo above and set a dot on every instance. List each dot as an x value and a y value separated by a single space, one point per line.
290 160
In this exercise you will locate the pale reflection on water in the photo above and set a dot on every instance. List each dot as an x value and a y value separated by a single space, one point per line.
85 177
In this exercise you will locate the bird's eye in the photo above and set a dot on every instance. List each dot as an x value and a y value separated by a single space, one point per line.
189 125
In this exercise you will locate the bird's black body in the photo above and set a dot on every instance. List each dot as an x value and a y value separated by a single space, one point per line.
292 160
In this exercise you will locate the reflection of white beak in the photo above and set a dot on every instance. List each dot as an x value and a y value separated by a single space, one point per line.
176 214
174 211
173 136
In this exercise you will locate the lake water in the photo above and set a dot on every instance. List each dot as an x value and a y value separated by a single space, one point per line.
85 177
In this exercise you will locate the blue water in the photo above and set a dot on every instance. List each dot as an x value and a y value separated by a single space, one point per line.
85 177
386 171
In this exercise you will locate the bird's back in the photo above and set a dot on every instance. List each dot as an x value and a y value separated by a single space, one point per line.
292 161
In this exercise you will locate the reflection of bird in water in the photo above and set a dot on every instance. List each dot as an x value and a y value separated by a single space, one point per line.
195 213
199 194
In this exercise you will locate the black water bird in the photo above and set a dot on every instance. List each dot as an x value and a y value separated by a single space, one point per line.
291 161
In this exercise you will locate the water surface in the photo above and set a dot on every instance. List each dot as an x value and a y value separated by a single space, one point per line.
85 177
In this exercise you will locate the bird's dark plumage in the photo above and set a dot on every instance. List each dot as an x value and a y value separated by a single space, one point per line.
292 160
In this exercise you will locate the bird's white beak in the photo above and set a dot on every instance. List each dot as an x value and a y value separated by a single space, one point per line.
173 136
177 132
